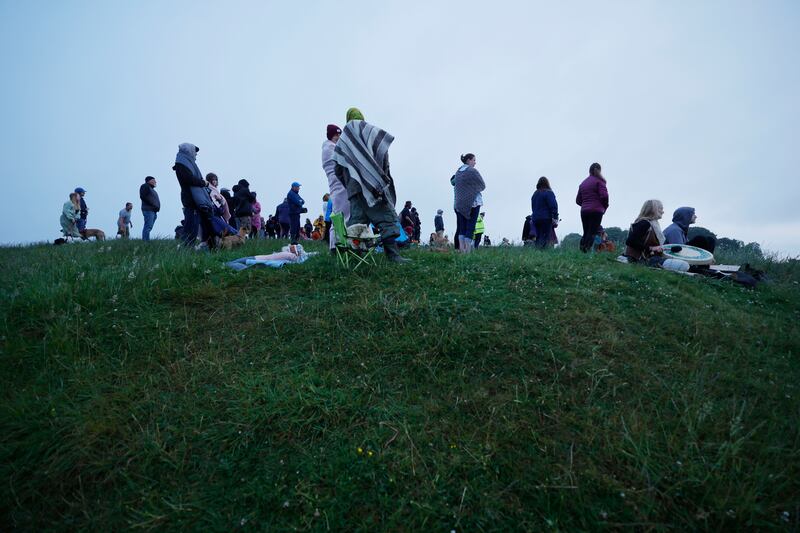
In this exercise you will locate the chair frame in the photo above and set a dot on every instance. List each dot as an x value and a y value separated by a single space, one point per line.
346 254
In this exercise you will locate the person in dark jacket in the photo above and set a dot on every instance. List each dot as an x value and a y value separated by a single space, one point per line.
678 231
84 214
189 176
417 224
282 215
528 236
244 199
272 227
308 228
151 205
544 212
295 209
593 199
406 218
438 223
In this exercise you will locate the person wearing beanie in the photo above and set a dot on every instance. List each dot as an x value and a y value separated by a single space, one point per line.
438 223
151 205
338 194
296 203
354 113
362 165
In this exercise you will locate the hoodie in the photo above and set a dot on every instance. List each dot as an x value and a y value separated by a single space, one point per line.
676 233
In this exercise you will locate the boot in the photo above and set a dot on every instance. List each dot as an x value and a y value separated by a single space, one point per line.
393 253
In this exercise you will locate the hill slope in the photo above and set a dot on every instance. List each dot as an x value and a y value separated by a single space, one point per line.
146 386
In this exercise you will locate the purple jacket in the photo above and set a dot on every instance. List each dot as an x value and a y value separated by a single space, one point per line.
593 195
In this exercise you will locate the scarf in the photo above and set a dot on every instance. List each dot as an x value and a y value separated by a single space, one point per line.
468 185
656 229
187 153
363 150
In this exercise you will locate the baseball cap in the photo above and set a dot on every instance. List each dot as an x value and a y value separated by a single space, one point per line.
296 184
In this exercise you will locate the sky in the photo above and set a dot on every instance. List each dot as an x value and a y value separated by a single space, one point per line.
693 103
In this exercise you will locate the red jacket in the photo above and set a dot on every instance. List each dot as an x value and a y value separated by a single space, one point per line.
593 195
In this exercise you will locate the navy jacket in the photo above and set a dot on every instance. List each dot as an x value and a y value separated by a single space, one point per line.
438 223
282 212
544 205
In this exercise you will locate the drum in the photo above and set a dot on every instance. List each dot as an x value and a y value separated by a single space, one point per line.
691 254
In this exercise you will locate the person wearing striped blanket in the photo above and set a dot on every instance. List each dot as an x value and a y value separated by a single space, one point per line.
362 165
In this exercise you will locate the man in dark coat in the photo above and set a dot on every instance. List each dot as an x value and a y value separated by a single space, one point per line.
151 205
244 199
295 209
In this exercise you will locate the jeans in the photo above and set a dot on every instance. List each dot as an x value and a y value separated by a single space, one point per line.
149 221
459 230
191 225
591 223
544 228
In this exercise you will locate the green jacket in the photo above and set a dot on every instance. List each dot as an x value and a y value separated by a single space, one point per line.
479 227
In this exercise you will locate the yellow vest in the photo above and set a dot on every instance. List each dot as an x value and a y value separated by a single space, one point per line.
479 225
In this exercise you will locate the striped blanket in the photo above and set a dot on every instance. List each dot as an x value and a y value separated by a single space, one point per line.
363 151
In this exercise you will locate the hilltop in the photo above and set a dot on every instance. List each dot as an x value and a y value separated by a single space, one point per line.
147 386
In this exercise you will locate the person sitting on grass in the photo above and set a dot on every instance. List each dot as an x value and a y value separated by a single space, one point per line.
678 231
645 239
70 214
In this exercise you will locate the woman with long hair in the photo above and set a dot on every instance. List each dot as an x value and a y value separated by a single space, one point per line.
467 187
593 199
544 212
70 213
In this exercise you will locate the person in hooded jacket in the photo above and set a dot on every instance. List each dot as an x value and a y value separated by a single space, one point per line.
244 205
296 203
678 231
189 175
284 220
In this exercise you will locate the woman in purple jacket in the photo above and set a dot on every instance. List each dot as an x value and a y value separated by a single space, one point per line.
593 199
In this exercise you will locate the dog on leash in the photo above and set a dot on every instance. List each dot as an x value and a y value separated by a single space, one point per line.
98 234
229 242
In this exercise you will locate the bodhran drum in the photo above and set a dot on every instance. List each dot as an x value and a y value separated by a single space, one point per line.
691 254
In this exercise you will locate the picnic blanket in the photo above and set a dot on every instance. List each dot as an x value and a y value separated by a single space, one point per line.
292 253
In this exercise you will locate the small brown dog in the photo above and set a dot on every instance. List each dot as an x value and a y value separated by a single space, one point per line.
98 234
229 242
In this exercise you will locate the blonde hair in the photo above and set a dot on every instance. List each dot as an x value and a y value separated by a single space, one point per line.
650 210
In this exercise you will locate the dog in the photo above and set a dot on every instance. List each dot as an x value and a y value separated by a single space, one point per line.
439 243
229 242
98 234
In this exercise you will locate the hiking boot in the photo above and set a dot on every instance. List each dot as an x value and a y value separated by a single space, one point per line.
393 253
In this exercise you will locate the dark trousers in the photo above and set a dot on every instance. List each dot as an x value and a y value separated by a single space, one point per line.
327 235
591 223
191 225
544 228
284 231
382 215
294 228
459 230
478 237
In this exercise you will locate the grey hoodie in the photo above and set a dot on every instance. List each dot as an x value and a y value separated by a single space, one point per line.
677 231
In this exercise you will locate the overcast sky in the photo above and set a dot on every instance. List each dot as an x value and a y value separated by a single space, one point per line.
694 103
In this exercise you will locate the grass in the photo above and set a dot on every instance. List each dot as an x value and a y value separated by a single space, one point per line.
148 387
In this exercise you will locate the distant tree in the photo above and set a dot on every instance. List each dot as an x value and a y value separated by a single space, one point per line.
732 245
753 249
572 240
616 234
700 231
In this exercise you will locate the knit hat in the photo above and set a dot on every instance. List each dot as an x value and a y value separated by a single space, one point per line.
148 178
354 114
333 129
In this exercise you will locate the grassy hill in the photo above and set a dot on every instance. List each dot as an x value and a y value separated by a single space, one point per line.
145 386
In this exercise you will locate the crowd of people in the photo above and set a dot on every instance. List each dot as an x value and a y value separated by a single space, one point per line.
361 187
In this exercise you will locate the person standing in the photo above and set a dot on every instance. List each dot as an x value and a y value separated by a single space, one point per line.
468 185
480 228
124 222
284 220
438 223
70 215
84 214
295 209
338 194
407 219
362 165
544 212
189 175
151 205
593 199
417 225
244 206
255 220
327 203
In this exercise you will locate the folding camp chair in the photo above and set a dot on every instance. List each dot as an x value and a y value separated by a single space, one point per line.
352 250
